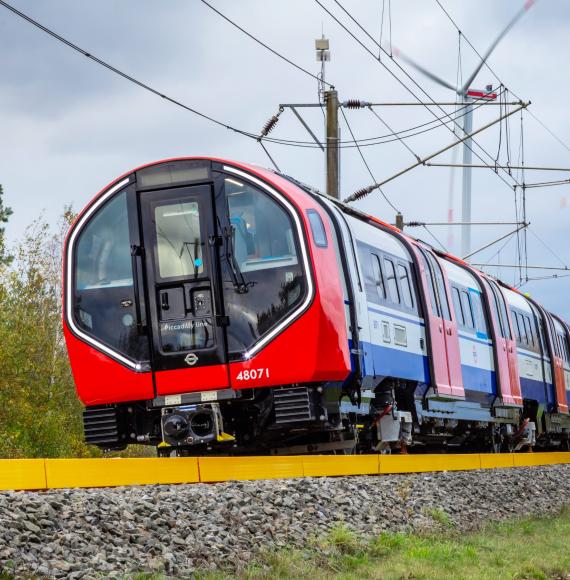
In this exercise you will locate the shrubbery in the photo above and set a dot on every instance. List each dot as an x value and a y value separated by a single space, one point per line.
40 415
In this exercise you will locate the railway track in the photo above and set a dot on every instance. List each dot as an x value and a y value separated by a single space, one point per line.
39 474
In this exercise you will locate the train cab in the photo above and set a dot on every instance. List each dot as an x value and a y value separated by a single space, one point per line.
195 281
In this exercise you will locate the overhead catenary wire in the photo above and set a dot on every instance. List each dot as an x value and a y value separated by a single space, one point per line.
266 46
397 78
366 191
405 73
547 247
492 71
339 4
394 133
386 198
547 183
435 238
380 139
120 73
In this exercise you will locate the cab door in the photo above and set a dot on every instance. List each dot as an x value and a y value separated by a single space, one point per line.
182 273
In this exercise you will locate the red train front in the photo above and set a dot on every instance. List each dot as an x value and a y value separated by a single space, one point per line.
200 312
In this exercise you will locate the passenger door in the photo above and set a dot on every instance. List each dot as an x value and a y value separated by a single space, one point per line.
181 260
557 366
505 346
443 341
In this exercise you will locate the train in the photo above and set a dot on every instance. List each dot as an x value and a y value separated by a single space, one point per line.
217 307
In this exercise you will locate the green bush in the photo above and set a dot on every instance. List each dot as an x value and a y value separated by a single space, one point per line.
40 415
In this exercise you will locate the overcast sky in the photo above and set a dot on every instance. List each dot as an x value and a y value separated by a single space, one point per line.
68 126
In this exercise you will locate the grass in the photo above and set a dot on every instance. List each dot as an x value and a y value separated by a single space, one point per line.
533 548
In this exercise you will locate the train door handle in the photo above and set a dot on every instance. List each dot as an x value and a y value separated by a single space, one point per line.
440 328
449 332
164 301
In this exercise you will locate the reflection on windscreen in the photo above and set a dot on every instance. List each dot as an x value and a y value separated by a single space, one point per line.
262 230
178 238
103 251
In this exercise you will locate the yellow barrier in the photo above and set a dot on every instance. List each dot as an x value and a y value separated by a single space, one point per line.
230 468
22 474
421 463
28 474
331 465
115 472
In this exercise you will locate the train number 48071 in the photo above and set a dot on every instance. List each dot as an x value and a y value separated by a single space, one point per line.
253 374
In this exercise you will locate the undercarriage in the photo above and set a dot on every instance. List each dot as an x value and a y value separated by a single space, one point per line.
323 419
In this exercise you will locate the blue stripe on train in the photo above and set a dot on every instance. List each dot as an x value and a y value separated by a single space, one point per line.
538 391
476 379
384 361
381 360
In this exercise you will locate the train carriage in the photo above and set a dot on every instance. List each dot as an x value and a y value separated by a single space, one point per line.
217 307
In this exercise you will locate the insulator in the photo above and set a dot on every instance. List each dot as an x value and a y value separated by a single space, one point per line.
269 126
360 193
354 104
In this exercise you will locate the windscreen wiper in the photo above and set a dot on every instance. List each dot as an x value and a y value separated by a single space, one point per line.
238 280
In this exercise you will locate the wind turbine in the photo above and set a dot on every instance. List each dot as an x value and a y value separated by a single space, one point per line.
468 96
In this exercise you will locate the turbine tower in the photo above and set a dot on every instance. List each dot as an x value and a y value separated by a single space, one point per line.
467 96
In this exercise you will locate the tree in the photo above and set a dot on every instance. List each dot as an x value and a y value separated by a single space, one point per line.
5 213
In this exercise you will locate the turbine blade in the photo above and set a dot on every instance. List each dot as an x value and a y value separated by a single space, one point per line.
398 53
526 7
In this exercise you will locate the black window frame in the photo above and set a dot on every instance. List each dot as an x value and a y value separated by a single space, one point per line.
392 263
409 285
465 294
379 279
456 297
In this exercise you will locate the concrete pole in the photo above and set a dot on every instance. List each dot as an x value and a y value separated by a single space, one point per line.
331 99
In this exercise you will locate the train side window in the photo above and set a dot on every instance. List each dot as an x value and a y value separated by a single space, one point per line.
558 340
440 286
405 286
517 326
565 350
378 279
429 277
457 306
504 313
479 314
317 228
495 308
467 309
560 348
528 329
541 335
393 291
524 334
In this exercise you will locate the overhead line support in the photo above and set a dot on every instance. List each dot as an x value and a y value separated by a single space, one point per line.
480 166
371 188
522 227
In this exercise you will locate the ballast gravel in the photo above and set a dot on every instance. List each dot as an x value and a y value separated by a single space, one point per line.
178 529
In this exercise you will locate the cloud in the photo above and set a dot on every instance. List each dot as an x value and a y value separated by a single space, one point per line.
69 126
